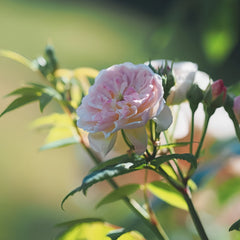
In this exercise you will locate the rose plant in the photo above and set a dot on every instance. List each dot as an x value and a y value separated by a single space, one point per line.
136 103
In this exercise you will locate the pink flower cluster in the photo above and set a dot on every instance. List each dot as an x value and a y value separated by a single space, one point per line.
125 97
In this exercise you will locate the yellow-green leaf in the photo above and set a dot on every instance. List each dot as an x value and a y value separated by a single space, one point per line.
168 194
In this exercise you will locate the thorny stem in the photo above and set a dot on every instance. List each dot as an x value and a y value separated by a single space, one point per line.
131 203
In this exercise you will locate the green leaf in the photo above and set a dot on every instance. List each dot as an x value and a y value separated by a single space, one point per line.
60 143
104 174
118 194
19 102
235 226
165 158
173 145
18 58
112 162
90 229
44 100
168 194
124 234
26 91
228 189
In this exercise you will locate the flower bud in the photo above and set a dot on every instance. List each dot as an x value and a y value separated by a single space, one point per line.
215 96
236 108
194 96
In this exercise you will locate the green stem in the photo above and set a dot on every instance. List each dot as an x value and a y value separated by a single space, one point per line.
172 151
192 133
192 211
151 214
195 217
206 122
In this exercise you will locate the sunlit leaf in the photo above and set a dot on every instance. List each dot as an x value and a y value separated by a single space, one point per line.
65 74
118 194
124 234
60 143
89 230
18 58
55 119
82 74
173 145
193 186
19 102
235 226
106 173
95 229
168 194
228 189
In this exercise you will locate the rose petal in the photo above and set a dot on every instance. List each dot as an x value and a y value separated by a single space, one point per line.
164 119
138 138
101 144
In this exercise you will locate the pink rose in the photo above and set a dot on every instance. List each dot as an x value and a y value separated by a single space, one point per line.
124 96
218 89
236 107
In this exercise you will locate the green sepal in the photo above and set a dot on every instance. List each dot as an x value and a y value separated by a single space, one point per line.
118 194
235 226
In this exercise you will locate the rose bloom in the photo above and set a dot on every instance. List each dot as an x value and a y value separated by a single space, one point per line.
236 107
124 96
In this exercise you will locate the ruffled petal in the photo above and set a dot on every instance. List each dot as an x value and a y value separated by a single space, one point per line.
138 138
101 144
164 119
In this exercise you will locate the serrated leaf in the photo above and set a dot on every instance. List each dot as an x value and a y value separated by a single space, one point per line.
165 158
124 234
104 174
111 162
60 143
19 102
168 194
44 100
118 194
235 226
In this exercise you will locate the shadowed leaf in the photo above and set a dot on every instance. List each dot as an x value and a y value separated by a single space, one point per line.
235 226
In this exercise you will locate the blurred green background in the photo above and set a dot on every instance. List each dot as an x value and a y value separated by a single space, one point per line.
96 34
